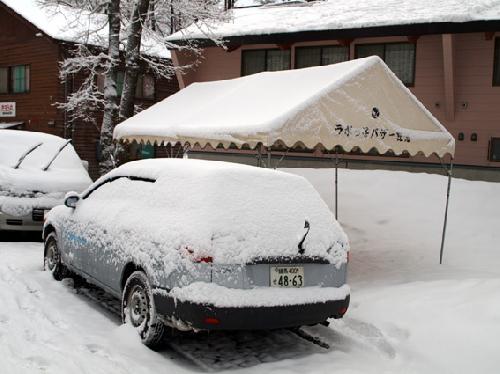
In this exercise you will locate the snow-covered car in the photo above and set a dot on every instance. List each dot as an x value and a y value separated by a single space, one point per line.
36 172
203 245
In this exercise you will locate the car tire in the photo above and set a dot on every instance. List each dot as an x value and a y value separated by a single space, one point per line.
138 309
52 258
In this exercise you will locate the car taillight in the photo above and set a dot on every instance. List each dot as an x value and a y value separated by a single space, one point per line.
343 311
206 259
211 321
189 253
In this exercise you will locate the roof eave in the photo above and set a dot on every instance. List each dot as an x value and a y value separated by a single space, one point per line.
415 29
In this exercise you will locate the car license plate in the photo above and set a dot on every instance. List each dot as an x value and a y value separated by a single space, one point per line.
287 276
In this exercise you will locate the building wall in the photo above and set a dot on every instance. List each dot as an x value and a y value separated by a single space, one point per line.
464 102
19 45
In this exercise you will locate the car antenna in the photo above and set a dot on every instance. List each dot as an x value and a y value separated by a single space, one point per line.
301 243
23 156
57 154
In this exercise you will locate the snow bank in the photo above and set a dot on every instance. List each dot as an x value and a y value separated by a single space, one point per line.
231 212
219 296
339 15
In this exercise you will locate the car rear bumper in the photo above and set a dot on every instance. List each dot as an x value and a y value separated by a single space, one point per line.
205 316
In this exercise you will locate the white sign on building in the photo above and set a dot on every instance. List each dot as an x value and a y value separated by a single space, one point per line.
7 109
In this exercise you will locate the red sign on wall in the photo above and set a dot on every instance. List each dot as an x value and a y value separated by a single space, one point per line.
7 109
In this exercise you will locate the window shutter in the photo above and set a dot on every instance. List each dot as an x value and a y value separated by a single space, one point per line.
4 80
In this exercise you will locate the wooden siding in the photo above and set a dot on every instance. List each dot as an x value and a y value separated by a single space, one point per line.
19 45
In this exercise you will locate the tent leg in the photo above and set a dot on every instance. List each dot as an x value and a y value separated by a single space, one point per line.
259 157
269 157
443 237
336 185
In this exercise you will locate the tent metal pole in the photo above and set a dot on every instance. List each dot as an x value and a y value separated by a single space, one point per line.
269 157
259 156
443 237
336 184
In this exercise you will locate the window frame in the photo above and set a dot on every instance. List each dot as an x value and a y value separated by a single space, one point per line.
412 84
141 79
490 148
321 47
139 86
8 80
10 88
496 63
265 58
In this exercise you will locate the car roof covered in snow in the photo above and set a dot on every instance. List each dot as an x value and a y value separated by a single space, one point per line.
232 212
65 172
63 23
302 16
165 169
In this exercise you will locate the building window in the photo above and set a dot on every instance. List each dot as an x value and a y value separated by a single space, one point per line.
145 87
15 79
496 63
259 60
20 76
495 149
400 57
318 56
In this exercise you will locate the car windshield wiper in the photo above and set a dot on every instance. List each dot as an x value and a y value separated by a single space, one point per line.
23 156
301 243
57 154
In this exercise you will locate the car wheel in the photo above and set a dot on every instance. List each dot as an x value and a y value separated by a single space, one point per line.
52 258
138 309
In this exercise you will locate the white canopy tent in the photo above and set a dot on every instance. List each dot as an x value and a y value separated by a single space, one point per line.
355 104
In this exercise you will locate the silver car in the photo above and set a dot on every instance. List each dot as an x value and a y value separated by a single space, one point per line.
203 245
36 172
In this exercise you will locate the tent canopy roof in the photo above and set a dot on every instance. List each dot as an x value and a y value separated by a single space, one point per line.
358 103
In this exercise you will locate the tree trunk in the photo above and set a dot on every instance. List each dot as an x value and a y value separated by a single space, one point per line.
132 64
111 98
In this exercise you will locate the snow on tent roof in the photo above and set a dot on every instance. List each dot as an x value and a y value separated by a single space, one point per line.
359 103
63 23
339 15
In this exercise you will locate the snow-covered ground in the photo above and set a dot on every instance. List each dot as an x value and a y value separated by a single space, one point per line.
408 314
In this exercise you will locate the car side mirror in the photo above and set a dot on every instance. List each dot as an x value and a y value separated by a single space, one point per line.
71 200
